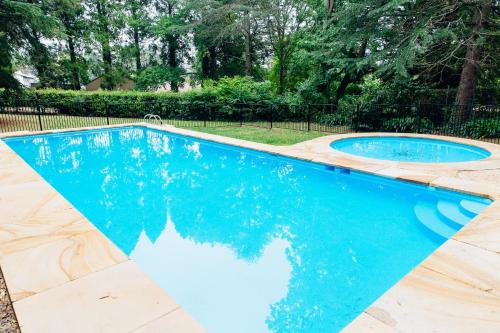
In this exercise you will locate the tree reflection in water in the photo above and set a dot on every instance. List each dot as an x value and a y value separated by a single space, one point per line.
244 241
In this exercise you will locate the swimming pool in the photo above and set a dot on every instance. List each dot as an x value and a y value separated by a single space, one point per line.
410 149
247 241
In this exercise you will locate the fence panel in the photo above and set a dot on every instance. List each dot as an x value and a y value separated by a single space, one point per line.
480 122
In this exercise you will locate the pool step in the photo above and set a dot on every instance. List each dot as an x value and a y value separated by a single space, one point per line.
450 212
428 216
472 208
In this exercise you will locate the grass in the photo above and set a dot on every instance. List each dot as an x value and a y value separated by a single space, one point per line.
275 136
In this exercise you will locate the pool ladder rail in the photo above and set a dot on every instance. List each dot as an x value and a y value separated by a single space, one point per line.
153 117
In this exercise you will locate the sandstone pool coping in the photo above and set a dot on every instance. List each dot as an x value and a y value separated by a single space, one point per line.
63 275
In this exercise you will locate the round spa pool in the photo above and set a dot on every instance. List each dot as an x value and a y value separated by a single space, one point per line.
410 149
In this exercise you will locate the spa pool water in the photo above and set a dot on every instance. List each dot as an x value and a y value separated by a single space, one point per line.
410 149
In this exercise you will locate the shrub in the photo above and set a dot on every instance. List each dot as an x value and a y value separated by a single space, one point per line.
240 89
98 103
154 77
407 125
342 116
482 128
187 105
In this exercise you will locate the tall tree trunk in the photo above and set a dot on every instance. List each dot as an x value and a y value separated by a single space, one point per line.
346 80
282 78
105 44
209 63
75 77
172 60
205 65
248 46
212 62
137 46
172 51
6 70
281 68
40 59
348 77
470 69
329 5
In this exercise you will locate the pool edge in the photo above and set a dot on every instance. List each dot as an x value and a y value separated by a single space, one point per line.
478 150
401 306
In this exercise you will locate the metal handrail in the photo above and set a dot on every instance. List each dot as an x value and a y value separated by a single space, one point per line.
152 116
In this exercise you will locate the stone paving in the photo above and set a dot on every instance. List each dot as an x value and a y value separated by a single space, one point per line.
63 275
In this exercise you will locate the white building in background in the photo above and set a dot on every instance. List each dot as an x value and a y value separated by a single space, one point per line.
27 77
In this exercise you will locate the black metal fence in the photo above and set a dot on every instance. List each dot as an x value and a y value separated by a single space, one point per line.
477 122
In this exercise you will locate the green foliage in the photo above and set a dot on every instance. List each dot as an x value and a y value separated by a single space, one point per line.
58 96
340 52
217 96
371 90
407 125
340 117
227 90
240 89
22 24
482 128
154 77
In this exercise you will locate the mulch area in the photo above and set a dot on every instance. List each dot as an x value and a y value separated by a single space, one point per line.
8 321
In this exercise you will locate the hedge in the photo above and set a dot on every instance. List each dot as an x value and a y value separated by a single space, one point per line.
233 90
237 98
61 97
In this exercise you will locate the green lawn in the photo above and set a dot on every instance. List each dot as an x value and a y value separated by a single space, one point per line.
275 136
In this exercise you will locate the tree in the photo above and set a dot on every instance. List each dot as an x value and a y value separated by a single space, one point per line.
314 50
155 77
171 30
283 19
438 41
471 67
139 23
239 19
70 14
218 52
107 20
424 43
351 48
22 24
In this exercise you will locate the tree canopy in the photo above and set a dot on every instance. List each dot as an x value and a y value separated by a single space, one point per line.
317 51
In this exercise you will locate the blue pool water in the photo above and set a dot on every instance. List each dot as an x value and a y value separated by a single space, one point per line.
247 241
408 149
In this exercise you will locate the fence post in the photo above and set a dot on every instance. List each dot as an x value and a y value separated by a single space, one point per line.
308 113
106 109
355 120
206 115
158 108
39 111
210 113
241 109
418 113
271 116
